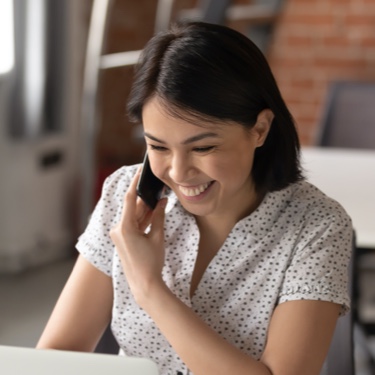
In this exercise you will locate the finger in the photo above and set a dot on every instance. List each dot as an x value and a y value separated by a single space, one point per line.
146 219
132 190
157 220
116 237
129 208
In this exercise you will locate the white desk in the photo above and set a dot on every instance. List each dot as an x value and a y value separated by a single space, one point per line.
348 176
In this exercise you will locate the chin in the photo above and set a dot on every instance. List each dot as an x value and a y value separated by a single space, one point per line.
197 209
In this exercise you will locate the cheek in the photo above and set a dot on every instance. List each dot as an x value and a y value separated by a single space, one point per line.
154 163
234 167
157 167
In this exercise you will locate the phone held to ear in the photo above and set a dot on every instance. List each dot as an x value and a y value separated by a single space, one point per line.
149 187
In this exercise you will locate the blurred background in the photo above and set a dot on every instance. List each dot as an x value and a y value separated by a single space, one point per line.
66 69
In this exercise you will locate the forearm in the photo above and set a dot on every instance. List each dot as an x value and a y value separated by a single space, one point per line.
201 348
82 312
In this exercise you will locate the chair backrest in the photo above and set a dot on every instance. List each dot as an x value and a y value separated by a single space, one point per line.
349 117
108 343
340 358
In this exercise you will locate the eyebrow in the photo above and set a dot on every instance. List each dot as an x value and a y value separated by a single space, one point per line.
195 138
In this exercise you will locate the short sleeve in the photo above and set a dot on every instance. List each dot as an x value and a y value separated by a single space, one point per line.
95 244
318 269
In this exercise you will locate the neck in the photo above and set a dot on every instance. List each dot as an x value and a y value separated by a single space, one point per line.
223 223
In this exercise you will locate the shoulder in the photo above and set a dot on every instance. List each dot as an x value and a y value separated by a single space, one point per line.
114 188
315 206
116 184
301 205
323 225
121 178
305 212
94 244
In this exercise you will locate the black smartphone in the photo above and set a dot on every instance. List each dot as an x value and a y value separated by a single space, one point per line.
149 187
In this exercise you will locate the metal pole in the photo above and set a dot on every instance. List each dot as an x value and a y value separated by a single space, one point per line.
89 114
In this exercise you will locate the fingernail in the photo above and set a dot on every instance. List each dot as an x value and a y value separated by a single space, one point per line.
163 203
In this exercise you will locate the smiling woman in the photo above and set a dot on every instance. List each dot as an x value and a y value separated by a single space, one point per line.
204 164
223 78
241 268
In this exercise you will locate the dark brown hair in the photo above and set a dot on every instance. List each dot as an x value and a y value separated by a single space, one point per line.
210 72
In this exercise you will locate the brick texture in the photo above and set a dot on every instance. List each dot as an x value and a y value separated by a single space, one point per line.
315 43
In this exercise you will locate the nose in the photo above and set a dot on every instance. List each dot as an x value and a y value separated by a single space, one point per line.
180 168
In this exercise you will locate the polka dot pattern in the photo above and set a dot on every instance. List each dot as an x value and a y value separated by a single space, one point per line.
295 246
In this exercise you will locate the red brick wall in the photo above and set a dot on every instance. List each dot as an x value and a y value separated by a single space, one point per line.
316 42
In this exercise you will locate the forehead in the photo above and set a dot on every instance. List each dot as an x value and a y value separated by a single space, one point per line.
158 114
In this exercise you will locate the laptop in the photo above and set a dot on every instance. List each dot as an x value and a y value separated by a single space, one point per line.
30 361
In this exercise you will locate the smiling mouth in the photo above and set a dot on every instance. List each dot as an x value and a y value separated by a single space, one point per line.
194 191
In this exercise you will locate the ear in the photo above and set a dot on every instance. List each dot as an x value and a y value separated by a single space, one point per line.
262 126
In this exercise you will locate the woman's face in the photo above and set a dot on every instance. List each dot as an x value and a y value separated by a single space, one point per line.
208 167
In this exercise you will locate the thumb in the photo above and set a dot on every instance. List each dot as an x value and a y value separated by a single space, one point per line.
158 215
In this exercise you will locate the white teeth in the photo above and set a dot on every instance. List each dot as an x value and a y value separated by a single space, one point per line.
192 192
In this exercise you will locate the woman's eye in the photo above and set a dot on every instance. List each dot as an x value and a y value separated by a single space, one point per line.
157 148
203 149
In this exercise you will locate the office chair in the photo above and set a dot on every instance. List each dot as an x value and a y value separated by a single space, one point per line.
107 343
349 117
340 357
348 121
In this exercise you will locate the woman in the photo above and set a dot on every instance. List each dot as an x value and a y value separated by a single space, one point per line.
242 266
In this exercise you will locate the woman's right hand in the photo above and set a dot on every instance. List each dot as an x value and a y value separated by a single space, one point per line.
141 253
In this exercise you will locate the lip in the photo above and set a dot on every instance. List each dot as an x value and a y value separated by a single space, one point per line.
198 197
